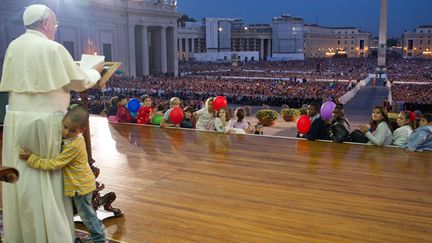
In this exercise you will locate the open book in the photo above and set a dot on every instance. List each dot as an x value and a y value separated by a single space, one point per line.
89 61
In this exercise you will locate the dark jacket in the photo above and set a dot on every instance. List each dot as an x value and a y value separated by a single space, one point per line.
339 130
318 130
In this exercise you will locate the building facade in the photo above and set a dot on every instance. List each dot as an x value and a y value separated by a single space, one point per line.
418 43
327 42
288 38
140 34
220 39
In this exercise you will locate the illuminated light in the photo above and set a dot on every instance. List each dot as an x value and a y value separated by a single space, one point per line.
95 53
427 52
246 28
220 29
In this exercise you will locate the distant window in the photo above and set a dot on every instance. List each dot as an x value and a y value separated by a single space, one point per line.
410 44
421 42
69 45
338 42
428 42
362 44
106 47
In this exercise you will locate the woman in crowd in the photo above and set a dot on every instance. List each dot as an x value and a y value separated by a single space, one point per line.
223 122
204 115
378 132
400 135
240 123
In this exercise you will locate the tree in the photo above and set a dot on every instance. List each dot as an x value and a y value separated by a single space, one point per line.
392 42
184 18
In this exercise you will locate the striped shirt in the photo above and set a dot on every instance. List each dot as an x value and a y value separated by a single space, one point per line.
78 178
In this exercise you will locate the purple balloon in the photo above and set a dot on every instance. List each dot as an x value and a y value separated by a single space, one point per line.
327 110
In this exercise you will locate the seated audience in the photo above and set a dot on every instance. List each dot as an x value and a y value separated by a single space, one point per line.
421 138
146 111
204 115
123 114
400 135
339 126
259 129
187 120
318 129
223 122
378 132
166 121
240 123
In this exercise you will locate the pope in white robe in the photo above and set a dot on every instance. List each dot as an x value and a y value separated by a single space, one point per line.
38 73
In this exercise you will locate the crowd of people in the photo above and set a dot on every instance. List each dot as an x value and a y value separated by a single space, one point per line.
398 69
237 91
411 131
412 96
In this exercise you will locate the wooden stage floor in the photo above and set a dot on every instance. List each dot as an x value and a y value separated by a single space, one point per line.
187 186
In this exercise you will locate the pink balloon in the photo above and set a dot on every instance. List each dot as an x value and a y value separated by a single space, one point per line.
303 124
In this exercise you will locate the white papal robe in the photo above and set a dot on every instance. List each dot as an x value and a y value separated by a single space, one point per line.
38 74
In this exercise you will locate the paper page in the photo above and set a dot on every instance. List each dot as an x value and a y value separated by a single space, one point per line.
88 61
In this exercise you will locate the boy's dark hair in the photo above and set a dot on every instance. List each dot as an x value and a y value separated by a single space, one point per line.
188 109
78 115
427 117
121 97
315 105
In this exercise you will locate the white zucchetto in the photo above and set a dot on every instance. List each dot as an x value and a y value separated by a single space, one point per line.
33 13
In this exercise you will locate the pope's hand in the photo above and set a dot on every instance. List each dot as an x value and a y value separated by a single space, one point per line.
24 154
99 67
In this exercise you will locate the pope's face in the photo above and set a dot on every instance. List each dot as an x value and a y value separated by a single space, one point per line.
49 26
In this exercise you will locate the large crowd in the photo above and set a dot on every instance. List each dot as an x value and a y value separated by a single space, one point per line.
293 83
398 69
413 96
237 91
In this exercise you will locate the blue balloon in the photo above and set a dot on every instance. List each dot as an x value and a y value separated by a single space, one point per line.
133 105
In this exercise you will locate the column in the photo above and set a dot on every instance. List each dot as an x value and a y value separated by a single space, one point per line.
382 35
180 56
261 57
145 50
192 45
163 50
187 49
268 48
132 61
175 60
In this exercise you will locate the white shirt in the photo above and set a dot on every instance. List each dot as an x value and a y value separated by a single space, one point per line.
400 135
203 118
221 128
47 67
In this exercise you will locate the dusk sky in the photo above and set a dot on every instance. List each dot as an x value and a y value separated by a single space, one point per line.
364 14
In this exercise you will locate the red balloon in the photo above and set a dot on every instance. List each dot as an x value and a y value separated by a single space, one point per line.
219 102
176 115
303 124
412 116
